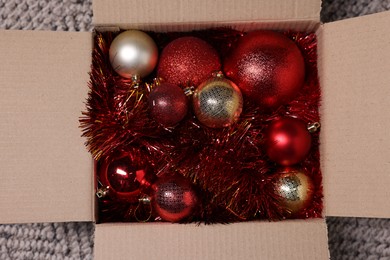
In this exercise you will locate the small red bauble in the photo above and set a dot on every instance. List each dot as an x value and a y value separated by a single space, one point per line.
120 173
287 141
174 198
268 67
294 189
188 60
168 104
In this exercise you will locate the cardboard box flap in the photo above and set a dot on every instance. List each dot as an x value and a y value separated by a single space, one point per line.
46 172
142 14
297 239
354 58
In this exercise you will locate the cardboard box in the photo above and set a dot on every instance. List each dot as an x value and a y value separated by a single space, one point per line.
47 174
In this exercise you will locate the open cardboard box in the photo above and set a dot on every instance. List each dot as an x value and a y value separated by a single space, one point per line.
47 173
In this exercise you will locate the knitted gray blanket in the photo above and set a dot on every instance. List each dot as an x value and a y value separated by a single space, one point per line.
349 238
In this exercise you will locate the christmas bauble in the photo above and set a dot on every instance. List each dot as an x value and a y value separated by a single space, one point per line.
268 68
188 60
294 189
217 102
168 104
119 173
174 198
287 141
133 54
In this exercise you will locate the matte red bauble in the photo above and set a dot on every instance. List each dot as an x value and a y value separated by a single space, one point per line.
174 198
294 188
119 173
188 60
168 104
268 67
287 141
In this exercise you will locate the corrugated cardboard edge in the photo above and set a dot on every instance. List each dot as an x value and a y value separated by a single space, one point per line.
189 15
297 25
354 62
295 240
44 166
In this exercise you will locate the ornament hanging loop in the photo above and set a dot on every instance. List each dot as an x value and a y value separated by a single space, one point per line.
135 80
218 74
102 192
189 91
144 200
313 127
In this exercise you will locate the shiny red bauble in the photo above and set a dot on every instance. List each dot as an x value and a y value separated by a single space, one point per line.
268 67
188 60
120 173
287 141
174 198
168 104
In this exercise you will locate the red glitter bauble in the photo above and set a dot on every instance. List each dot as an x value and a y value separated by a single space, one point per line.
168 104
174 198
287 141
188 60
120 173
268 67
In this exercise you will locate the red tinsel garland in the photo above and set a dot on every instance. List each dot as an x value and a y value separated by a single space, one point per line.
228 166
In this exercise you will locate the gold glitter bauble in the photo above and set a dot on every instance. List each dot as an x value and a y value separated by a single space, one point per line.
294 188
217 102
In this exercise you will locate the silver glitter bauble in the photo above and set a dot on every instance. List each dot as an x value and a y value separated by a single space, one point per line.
294 188
217 102
133 54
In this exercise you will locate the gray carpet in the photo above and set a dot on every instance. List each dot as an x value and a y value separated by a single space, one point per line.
349 238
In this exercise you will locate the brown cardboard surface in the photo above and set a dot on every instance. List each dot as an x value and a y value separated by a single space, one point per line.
298 240
299 25
44 167
354 58
188 14
251 240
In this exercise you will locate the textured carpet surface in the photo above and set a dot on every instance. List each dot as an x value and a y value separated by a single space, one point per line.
47 241
349 238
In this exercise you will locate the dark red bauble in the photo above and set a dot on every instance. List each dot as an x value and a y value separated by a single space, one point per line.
287 141
268 67
168 104
188 60
120 173
174 198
